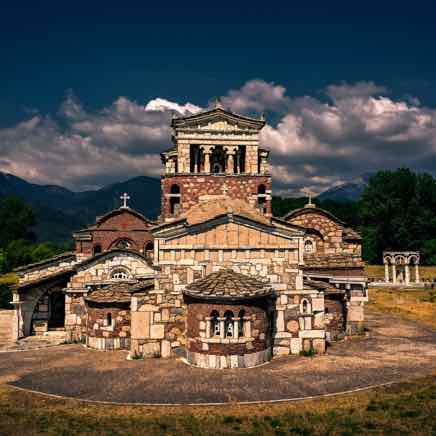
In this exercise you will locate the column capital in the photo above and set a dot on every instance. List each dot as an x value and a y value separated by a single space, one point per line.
207 149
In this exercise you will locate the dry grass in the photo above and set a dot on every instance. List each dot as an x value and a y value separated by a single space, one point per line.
407 408
8 279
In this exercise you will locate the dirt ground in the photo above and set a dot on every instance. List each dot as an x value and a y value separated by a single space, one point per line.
394 349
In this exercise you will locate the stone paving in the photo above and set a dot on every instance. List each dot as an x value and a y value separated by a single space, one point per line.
394 350
31 343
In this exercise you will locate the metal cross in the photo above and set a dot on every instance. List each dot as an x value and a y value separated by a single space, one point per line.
124 198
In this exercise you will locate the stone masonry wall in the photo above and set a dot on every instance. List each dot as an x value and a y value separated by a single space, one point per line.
196 329
251 252
195 185
332 241
100 335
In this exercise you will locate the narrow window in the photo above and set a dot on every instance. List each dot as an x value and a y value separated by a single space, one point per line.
96 249
305 306
174 199
215 324
149 246
261 198
241 323
109 320
228 324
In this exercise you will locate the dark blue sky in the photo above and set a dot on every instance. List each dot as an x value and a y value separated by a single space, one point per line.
87 88
189 51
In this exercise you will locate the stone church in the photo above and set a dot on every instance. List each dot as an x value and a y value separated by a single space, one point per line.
217 278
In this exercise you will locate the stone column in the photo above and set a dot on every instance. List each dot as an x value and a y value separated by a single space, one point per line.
230 152
236 328
247 327
394 274
416 273
207 150
386 272
208 322
222 326
407 274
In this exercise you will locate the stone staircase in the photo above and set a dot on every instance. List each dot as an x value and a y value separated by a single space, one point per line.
6 319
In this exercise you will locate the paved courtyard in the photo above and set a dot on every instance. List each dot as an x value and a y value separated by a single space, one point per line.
394 350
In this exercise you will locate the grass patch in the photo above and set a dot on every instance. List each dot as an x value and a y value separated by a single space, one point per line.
407 408
414 304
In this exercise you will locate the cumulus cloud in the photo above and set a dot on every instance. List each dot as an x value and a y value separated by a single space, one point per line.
315 144
91 148
256 95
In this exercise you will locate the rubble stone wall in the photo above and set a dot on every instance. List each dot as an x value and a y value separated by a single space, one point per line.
104 336
332 241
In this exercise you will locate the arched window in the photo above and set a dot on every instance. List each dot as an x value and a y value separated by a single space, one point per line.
123 243
261 189
228 324
109 320
215 323
175 189
96 249
308 246
241 323
305 307
149 246
120 274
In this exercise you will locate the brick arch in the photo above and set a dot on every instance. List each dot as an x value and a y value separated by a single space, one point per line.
133 245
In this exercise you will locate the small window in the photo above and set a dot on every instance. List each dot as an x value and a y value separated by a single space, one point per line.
120 274
308 246
97 249
241 323
123 243
109 320
149 246
175 189
305 307
215 323
228 324
261 189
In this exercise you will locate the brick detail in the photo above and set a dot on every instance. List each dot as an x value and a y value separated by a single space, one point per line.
193 186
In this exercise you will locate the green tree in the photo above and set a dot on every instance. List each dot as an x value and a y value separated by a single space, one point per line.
16 219
397 212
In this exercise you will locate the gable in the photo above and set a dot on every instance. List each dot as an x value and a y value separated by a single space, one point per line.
123 219
100 268
218 119
314 219
231 235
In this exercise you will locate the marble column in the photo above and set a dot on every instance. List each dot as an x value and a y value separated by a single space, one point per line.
236 328
386 272
208 321
416 273
222 328
247 327
407 274
394 274
207 150
230 152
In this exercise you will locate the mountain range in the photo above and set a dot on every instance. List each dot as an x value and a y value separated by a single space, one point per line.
59 211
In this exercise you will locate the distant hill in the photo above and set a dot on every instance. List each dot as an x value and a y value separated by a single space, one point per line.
60 211
350 191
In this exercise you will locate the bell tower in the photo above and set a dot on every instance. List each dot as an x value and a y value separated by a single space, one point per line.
216 154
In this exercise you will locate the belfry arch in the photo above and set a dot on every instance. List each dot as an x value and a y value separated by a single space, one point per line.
401 267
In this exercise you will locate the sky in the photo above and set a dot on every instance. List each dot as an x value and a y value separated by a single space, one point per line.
87 89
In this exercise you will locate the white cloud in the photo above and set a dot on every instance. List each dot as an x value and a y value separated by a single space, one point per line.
314 144
256 95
